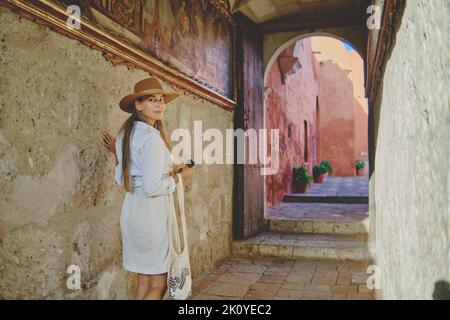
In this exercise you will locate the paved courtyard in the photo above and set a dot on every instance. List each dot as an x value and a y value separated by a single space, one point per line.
274 278
340 187
318 211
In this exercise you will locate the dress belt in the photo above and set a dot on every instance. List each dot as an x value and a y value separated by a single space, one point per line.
138 179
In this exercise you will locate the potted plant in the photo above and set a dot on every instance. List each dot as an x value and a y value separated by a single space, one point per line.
301 179
327 165
360 167
319 173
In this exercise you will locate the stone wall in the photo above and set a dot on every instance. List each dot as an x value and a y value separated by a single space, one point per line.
412 169
59 204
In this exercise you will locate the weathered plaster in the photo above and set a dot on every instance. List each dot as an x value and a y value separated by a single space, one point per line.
412 169
59 204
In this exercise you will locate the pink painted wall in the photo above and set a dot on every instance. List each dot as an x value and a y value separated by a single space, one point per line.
331 76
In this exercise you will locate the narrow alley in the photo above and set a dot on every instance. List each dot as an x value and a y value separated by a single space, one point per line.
303 147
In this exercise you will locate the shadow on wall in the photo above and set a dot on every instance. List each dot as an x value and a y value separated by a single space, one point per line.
441 290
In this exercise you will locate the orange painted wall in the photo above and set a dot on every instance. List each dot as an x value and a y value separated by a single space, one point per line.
361 108
343 106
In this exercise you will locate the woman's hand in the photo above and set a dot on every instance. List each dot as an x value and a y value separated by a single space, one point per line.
186 172
109 142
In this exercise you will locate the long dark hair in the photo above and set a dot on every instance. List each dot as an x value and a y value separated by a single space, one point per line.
127 128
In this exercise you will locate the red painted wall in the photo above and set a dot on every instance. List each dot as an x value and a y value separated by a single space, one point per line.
289 105
331 80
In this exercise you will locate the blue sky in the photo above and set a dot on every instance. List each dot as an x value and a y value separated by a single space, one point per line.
347 46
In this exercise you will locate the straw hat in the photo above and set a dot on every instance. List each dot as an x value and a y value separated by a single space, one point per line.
143 88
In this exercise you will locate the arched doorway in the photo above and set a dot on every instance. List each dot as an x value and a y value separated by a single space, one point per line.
256 52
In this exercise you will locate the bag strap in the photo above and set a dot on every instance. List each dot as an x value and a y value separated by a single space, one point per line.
180 193
174 232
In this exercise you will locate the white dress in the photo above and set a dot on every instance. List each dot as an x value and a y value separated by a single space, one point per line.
144 217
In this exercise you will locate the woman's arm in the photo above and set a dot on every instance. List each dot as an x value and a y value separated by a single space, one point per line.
153 156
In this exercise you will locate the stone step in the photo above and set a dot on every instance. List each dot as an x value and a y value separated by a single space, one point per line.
345 247
298 197
319 227
331 218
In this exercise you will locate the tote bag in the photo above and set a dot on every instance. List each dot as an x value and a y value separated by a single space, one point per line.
179 279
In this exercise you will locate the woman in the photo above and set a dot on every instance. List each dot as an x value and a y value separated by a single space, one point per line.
144 168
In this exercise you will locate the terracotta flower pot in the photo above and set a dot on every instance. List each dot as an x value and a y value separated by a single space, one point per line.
360 172
300 187
319 178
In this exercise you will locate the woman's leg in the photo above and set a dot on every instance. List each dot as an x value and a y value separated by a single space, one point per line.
143 282
157 287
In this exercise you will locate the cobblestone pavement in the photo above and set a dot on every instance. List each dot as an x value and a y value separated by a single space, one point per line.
318 211
267 278
340 187
254 276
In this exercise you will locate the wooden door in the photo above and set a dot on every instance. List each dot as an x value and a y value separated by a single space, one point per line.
248 193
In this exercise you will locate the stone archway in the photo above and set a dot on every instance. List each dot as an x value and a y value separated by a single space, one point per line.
275 44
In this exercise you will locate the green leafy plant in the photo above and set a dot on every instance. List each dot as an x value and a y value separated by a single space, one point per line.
320 169
327 165
360 164
301 175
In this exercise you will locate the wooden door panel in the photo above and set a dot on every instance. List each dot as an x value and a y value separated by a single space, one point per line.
248 216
